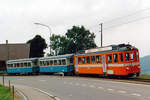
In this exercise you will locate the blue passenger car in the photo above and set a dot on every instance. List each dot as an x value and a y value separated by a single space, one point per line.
26 66
55 64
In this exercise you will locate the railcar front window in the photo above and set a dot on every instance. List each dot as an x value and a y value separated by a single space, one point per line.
137 56
132 56
127 56
98 59
121 57
115 58
110 58
93 59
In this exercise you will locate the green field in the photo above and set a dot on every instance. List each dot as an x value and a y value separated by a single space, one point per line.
5 93
144 76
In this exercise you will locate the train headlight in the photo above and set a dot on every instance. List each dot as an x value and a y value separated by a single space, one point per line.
127 68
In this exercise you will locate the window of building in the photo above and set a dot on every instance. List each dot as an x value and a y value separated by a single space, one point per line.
79 60
83 60
64 62
121 57
132 56
109 58
98 59
115 57
88 59
93 59
127 58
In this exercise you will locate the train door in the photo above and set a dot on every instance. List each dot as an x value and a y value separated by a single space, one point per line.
104 64
76 64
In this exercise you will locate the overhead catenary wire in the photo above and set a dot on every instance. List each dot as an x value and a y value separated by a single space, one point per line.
131 14
131 21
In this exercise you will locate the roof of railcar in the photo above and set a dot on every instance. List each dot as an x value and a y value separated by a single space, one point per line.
108 51
22 60
58 56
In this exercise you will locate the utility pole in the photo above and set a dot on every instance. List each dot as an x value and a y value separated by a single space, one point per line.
101 34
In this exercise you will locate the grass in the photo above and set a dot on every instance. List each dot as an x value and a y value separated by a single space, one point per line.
144 76
5 93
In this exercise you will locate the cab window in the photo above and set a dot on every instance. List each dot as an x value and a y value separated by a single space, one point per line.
137 56
132 56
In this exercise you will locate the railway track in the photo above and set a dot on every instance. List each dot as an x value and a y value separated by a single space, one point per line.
128 80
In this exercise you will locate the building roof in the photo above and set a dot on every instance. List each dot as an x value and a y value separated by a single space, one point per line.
14 51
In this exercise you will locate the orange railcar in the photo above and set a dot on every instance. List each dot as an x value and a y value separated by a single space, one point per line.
119 60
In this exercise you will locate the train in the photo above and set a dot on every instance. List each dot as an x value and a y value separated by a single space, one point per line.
113 60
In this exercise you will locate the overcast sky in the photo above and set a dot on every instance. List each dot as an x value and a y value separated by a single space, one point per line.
124 20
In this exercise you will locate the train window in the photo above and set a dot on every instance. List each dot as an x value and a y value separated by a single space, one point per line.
64 62
59 62
132 56
25 64
98 59
8 65
110 58
83 60
93 59
115 57
137 56
18 65
15 65
21 64
79 60
11 65
88 59
29 64
47 62
121 57
127 56
51 62
71 60
55 62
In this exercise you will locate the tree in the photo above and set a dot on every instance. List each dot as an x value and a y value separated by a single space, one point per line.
37 46
59 44
80 39
76 38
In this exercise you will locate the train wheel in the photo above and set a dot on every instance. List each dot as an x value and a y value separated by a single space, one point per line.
137 74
